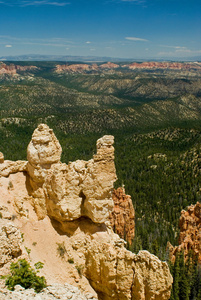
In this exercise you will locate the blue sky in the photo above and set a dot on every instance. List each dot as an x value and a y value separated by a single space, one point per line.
116 28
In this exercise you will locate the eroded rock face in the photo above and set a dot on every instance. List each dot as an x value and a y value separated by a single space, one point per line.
82 188
190 233
10 242
67 192
152 278
8 167
43 151
122 217
116 273
110 269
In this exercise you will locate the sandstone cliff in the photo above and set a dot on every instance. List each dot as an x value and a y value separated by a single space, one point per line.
122 217
62 212
190 233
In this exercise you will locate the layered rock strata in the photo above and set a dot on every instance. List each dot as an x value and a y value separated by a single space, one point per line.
122 217
77 198
190 233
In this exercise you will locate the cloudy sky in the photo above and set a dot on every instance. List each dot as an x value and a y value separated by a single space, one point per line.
116 28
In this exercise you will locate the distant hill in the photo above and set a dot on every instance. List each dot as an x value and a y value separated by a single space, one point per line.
38 57
35 57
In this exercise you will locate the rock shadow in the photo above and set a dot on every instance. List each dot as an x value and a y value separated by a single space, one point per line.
83 224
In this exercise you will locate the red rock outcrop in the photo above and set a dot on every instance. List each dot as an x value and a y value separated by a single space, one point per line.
122 218
26 68
163 65
190 233
80 68
13 69
76 68
4 69
109 65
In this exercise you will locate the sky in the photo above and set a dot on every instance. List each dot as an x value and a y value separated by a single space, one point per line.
136 29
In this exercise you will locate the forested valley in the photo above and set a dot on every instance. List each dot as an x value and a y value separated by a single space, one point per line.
155 117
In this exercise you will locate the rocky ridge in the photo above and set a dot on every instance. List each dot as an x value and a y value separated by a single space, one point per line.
67 207
164 65
80 68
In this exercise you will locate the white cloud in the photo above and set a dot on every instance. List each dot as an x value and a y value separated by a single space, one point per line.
24 3
43 2
88 42
135 39
174 47
8 46
55 42
135 1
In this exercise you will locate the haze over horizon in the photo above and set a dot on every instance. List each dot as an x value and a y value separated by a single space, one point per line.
137 29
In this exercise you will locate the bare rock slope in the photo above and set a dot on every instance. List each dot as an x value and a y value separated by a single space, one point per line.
62 212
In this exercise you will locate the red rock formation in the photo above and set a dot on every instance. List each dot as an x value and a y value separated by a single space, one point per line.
163 65
122 218
13 69
26 68
77 68
109 65
190 232
4 69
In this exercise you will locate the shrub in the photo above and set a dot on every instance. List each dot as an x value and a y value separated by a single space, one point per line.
71 261
24 275
61 249
79 269
28 250
10 185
